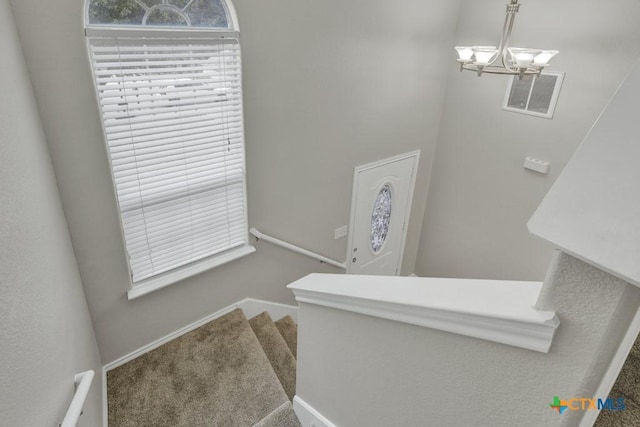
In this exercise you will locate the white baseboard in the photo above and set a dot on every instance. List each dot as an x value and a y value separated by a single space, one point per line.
308 416
171 336
251 307
105 412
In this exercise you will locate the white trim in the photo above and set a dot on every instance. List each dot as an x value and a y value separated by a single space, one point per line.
250 307
308 416
104 145
253 307
498 311
171 336
231 9
151 346
105 407
354 192
171 277
613 370
552 102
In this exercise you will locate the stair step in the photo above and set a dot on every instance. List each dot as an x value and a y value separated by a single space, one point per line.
284 416
628 381
627 386
635 350
627 418
216 375
277 351
289 331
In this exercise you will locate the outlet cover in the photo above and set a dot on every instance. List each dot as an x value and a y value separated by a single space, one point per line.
341 232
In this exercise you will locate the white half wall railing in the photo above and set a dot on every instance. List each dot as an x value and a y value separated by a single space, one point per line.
83 384
261 236
495 310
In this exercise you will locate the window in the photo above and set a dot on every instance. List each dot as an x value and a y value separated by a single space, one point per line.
534 95
168 80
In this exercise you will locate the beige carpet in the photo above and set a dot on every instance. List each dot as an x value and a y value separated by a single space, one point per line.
289 331
627 386
282 361
281 417
216 375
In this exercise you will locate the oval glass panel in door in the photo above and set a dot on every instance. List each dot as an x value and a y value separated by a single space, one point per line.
380 218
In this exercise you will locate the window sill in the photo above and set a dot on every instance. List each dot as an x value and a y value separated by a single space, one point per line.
153 284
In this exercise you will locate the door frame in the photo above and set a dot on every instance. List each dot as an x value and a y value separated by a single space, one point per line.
354 198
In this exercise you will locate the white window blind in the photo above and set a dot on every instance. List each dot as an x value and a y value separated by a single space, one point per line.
172 115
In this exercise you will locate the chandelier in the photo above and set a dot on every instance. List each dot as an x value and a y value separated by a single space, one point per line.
504 59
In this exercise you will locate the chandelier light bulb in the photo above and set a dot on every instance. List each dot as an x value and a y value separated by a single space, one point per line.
464 53
542 59
484 54
522 58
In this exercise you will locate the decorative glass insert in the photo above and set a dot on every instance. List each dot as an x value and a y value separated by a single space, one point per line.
162 13
380 218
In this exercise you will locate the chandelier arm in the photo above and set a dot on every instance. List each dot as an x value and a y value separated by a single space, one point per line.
488 69
507 65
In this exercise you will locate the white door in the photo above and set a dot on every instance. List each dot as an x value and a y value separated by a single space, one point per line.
382 194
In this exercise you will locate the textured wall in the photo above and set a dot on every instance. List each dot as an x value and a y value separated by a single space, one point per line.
45 328
441 379
480 197
329 85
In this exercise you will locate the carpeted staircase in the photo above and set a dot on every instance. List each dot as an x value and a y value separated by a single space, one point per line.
627 386
228 372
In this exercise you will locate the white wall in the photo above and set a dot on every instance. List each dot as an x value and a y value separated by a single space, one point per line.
480 197
45 328
593 208
328 85
358 370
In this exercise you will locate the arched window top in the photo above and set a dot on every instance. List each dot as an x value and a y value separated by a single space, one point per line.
212 14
